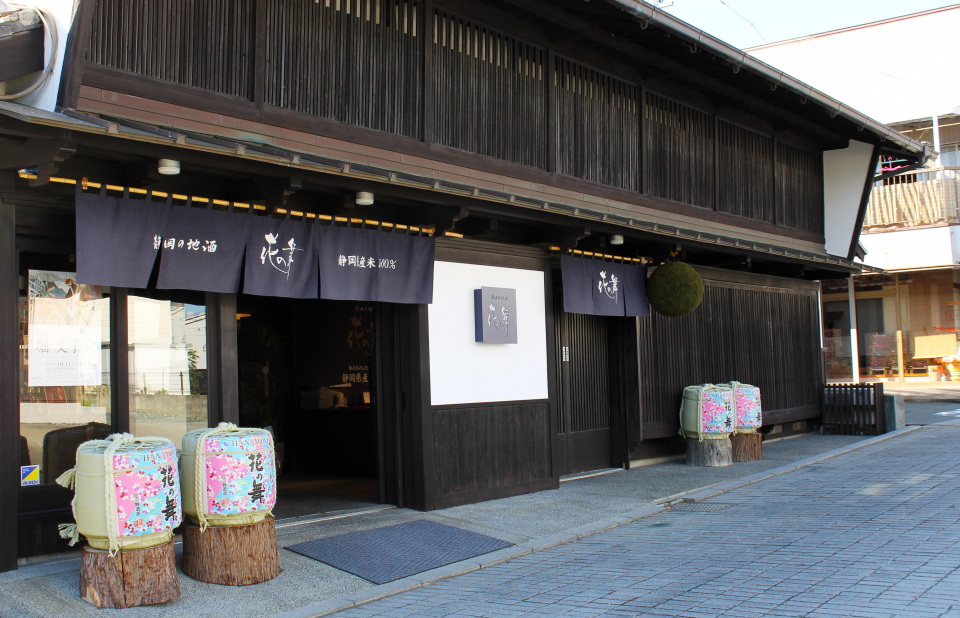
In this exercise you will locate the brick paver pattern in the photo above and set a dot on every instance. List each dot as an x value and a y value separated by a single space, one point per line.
873 533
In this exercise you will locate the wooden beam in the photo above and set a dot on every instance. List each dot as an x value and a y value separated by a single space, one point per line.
864 199
223 386
259 53
75 55
9 387
429 85
119 361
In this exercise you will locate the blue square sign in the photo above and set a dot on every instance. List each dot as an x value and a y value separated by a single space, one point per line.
29 475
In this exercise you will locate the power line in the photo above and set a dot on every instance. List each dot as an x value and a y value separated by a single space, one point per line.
750 23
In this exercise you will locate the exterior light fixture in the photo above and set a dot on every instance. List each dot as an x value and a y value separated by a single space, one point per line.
616 239
364 198
168 167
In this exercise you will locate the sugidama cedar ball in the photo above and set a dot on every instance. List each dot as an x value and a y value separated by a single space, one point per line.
675 289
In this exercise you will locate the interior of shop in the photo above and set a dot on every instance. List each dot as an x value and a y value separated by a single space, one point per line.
306 372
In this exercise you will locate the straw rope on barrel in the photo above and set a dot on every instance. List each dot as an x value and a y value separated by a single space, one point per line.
149 464
234 446
719 413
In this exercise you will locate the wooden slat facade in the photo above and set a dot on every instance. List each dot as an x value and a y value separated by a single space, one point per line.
488 448
799 179
598 126
745 172
206 44
678 151
411 69
489 92
747 332
353 61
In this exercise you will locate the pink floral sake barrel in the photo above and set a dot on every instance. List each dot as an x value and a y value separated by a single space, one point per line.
747 410
229 475
707 412
127 493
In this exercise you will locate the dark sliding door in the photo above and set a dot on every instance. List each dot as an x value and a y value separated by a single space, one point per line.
588 386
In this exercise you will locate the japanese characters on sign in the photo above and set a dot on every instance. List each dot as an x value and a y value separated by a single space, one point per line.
597 287
495 315
281 259
65 328
201 249
361 264
147 491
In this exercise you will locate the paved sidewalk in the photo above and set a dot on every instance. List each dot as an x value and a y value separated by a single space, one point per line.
306 586
872 533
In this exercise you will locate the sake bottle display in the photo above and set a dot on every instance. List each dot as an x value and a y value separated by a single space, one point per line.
706 412
748 416
229 475
127 493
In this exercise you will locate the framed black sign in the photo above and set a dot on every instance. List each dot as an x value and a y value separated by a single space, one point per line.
495 315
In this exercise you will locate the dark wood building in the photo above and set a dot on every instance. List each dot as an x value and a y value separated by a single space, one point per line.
518 130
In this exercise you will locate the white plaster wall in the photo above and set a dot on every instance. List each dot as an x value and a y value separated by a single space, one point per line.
844 176
920 248
463 371
62 11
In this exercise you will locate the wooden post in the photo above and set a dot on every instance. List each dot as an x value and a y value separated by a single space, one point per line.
747 446
131 578
9 386
231 555
710 453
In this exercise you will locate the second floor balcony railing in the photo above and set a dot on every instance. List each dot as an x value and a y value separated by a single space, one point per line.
922 197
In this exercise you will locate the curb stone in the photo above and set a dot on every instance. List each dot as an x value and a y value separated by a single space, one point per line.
331 606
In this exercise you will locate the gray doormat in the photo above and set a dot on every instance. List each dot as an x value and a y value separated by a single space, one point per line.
386 554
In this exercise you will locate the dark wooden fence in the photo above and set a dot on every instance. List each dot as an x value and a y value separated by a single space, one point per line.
853 409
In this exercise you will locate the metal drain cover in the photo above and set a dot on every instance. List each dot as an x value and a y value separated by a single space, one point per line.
700 507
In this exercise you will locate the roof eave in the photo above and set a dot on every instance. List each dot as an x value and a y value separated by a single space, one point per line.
648 13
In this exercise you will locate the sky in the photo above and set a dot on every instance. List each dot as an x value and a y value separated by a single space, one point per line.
778 20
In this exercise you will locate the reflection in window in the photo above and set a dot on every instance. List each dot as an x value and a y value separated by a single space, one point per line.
64 372
838 353
168 367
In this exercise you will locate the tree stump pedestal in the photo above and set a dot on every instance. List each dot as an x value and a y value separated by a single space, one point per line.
131 578
710 453
747 446
231 555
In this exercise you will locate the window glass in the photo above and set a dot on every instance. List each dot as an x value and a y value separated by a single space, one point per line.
838 358
64 371
167 356
930 314
877 327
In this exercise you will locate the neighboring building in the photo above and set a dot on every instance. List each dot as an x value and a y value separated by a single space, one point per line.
516 131
910 229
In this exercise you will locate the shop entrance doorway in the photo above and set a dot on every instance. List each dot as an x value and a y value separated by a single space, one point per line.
589 387
307 371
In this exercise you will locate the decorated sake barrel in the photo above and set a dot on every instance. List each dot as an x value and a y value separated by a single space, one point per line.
707 412
127 492
229 475
747 416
